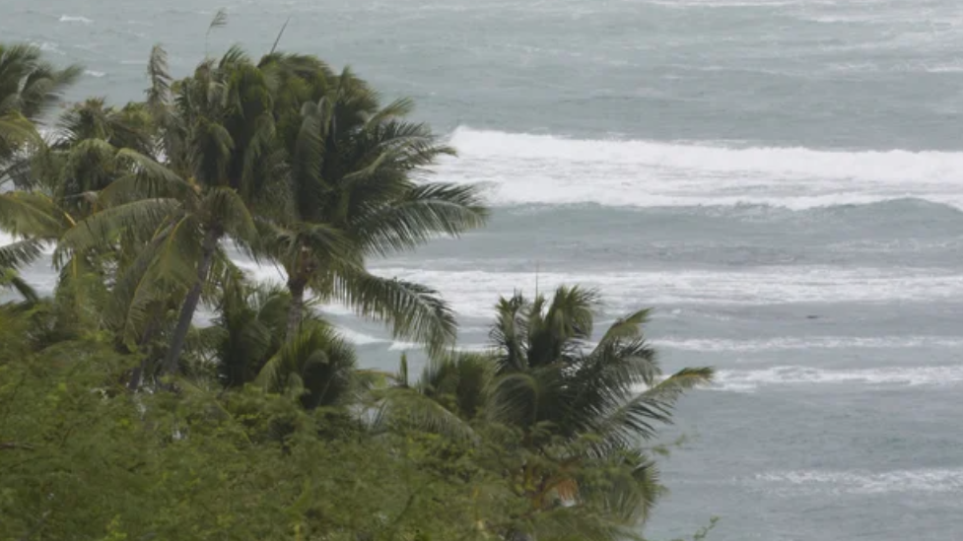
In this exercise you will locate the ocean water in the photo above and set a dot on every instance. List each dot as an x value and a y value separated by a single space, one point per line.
782 180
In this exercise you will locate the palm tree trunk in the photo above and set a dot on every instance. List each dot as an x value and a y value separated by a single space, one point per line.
137 375
296 310
190 303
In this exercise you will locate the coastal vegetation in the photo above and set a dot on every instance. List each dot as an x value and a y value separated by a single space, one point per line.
122 418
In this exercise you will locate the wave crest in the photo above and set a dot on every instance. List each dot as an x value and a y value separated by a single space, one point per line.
75 19
522 168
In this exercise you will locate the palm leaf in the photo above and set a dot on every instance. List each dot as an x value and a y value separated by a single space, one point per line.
19 254
425 211
413 311
141 218
316 365
225 207
411 408
626 328
637 417
158 95
33 214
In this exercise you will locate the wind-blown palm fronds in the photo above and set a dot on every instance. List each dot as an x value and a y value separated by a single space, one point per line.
317 366
28 84
351 163
574 414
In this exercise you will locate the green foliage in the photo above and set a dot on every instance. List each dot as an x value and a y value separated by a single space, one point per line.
88 460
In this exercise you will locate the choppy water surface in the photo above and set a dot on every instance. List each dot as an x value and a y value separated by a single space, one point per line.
781 179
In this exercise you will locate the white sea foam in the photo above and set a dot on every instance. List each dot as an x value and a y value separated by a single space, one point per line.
749 380
809 343
736 380
93 73
543 169
679 4
359 338
75 19
49 47
362 339
852 482
473 293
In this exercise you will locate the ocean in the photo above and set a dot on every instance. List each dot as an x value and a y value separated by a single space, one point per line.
781 180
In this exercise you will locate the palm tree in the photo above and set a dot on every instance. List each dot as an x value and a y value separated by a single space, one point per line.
29 88
578 402
217 132
351 168
65 181
568 417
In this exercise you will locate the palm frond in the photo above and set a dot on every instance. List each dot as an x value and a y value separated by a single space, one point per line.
32 214
317 366
225 206
136 290
671 388
141 218
219 20
620 427
458 381
19 254
157 180
425 211
28 293
509 335
158 95
15 132
626 328
413 311
516 398
412 408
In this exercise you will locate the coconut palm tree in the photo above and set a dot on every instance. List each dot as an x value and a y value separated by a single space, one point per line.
352 164
64 182
216 130
29 88
578 402
571 417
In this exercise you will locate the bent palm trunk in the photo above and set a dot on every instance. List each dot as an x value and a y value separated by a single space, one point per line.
190 303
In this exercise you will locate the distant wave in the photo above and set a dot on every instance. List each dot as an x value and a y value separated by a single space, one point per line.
358 338
92 73
736 380
361 339
49 47
856 482
679 4
751 380
523 168
809 342
473 293
75 19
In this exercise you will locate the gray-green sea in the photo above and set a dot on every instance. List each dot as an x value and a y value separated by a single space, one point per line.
782 180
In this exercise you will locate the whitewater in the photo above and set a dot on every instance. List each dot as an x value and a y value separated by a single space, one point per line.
781 181
524 169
